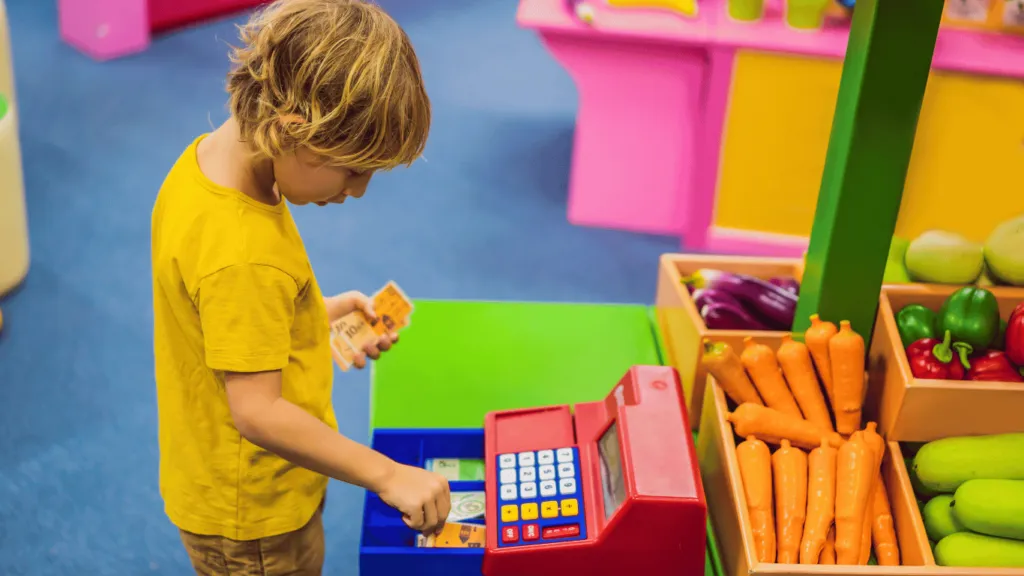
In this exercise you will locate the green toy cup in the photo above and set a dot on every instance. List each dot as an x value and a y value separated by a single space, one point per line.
746 10
806 14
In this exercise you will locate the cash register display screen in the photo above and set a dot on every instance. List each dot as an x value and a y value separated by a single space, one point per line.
612 483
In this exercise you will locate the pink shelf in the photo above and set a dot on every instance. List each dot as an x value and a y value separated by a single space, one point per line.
957 50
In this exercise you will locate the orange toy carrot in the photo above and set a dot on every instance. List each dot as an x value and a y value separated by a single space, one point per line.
789 474
828 553
854 473
755 464
877 446
817 337
883 532
846 352
773 426
795 359
761 364
724 364
821 502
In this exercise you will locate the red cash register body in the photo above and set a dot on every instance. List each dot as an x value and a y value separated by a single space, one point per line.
640 499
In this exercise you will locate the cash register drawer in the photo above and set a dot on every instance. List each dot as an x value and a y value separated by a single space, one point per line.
388 546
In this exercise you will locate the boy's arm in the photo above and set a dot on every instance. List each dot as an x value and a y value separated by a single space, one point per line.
246 312
267 420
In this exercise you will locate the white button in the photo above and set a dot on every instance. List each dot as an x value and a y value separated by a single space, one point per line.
566 470
547 472
547 488
508 492
508 476
507 461
565 455
526 459
528 490
528 474
546 457
567 486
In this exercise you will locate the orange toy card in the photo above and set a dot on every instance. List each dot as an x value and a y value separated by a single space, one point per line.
456 535
354 331
393 309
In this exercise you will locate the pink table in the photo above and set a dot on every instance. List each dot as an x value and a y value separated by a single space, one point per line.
654 90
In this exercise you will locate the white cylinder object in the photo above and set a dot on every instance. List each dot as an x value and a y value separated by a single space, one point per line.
14 253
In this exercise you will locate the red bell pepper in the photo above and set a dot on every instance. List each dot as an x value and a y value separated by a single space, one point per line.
1015 335
931 359
993 366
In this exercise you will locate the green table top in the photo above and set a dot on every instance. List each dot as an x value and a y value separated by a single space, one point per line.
459 360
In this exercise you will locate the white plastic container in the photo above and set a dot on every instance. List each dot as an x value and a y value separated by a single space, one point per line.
14 253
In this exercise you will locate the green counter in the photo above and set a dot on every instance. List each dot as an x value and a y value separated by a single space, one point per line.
459 360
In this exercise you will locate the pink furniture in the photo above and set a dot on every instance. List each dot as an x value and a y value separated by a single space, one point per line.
106 29
654 89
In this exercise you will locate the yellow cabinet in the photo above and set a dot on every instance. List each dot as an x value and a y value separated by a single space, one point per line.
966 173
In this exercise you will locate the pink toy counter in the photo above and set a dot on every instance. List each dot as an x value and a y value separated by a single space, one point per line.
655 90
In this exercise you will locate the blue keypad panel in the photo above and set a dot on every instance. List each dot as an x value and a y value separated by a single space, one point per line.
540 498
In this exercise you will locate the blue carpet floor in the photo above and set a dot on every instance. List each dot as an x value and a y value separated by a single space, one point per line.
482 218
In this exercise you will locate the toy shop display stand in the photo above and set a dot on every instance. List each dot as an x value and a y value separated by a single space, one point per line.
715 130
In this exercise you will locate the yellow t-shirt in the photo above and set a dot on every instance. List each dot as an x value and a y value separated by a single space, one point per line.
233 290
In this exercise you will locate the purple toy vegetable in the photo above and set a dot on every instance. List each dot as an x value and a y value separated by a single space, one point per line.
788 284
774 304
724 316
704 296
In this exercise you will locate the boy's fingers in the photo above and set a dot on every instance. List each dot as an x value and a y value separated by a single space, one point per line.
372 351
444 507
359 360
415 521
384 343
429 517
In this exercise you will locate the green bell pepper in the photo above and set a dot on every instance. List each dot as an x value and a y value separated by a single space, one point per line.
915 322
971 314
999 343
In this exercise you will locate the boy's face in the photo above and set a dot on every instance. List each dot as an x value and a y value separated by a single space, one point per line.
302 178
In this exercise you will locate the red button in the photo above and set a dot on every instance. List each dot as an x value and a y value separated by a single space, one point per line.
531 532
510 534
556 532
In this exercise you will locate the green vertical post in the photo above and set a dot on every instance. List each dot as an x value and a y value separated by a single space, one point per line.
888 59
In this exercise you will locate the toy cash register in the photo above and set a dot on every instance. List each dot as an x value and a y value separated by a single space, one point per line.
612 489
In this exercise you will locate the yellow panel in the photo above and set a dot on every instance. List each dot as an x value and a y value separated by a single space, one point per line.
684 7
965 173
776 135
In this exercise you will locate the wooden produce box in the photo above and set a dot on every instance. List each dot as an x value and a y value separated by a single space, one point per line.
682 328
728 508
913 410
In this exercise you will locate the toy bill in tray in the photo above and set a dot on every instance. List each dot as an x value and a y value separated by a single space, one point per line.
353 332
455 535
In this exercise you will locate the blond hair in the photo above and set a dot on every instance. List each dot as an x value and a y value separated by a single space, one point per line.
338 77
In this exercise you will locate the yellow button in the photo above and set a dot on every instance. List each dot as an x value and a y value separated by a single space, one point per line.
570 507
549 509
530 511
509 513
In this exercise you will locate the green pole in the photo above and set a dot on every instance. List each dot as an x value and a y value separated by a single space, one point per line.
888 59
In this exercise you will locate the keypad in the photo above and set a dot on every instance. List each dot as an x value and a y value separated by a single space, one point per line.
539 497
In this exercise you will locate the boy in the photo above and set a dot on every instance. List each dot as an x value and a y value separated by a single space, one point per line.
324 93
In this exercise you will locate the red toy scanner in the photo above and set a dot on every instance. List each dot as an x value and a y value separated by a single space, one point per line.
611 490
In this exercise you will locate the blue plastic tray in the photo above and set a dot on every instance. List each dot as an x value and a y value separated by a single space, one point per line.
388 546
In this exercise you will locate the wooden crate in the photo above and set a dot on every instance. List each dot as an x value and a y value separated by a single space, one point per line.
728 508
682 328
913 410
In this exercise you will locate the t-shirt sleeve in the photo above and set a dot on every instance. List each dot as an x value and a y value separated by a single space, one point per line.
246 313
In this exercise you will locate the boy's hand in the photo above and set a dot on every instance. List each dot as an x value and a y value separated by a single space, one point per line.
422 497
348 302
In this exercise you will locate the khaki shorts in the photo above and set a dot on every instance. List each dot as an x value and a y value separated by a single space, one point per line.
299 553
